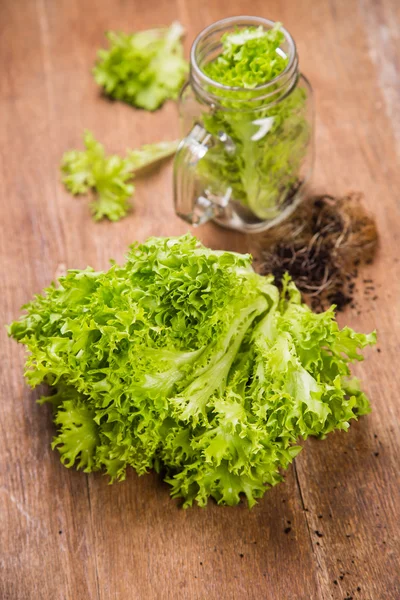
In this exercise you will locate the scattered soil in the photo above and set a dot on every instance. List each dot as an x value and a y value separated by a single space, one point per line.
322 245
319 534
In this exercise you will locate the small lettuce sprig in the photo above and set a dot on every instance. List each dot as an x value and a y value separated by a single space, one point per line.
186 361
108 177
144 68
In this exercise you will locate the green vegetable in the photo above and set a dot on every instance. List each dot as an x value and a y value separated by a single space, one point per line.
249 58
270 142
110 177
143 69
186 361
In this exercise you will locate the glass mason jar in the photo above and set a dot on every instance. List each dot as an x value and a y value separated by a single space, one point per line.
246 154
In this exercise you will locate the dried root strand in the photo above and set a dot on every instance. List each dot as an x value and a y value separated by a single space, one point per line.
321 246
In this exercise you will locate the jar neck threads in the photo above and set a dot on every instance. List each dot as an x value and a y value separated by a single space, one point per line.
207 46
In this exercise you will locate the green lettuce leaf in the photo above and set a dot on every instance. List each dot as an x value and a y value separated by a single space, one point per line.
108 177
271 142
144 68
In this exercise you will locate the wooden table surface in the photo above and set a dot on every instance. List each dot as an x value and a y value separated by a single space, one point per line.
329 531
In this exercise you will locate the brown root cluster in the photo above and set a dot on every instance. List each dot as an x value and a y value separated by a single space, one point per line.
321 246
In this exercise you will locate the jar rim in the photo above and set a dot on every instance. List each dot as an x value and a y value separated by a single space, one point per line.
243 20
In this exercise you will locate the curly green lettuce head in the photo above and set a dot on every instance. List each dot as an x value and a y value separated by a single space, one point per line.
186 361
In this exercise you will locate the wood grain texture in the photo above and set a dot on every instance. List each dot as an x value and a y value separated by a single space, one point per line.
65 535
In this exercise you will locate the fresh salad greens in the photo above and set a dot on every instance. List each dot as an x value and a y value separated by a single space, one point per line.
249 58
109 177
186 361
271 137
144 68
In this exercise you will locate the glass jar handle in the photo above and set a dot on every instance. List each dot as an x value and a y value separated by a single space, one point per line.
193 204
